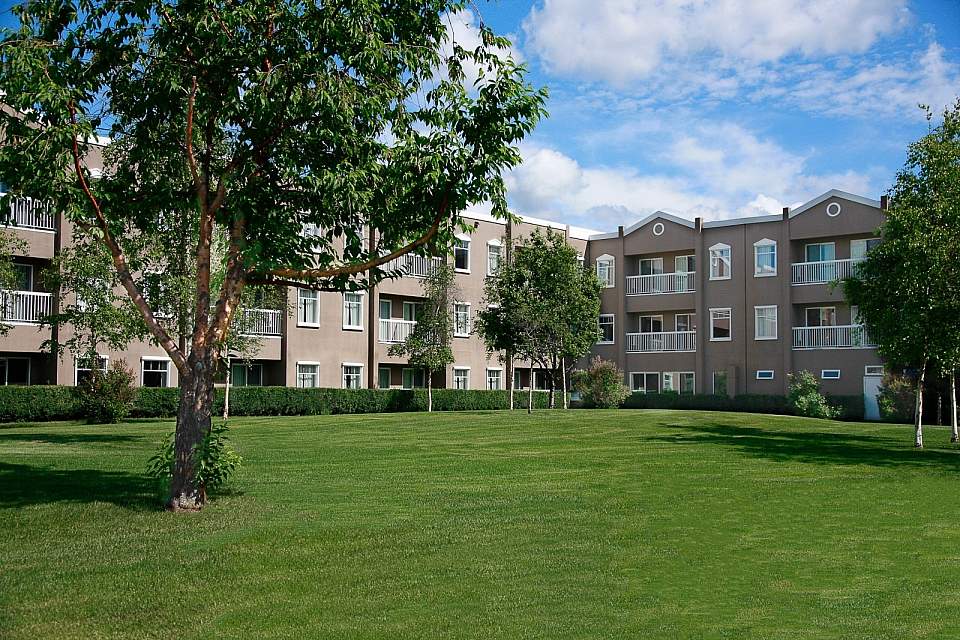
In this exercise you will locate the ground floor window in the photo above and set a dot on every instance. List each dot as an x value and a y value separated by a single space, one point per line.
645 382
720 383
461 378
246 375
414 379
517 380
85 366
383 377
679 381
155 373
308 375
352 376
14 371
494 377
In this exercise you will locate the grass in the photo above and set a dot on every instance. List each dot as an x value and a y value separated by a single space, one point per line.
625 524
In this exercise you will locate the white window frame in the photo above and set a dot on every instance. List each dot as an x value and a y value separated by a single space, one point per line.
343 374
607 264
691 322
717 258
827 374
5 381
77 370
871 370
820 308
316 308
315 374
765 374
866 249
613 327
676 381
643 376
756 321
686 259
353 327
465 376
498 378
466 240
164 359
456 325
656 266
729 318
758 271
499 253
651 318
806 249
380 371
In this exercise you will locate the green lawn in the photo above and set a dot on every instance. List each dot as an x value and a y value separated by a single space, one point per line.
629 524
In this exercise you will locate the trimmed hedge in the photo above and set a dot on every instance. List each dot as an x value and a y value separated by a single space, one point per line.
37 403
851 406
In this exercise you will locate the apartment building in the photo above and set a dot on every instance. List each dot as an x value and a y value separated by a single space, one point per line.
727 306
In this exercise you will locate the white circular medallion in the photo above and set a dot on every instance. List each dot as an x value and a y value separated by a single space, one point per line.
833 209
658 229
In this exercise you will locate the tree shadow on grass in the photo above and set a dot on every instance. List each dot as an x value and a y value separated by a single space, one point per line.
23 485
70 438
817 447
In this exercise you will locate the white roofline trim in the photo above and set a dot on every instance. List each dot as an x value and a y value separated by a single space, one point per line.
835 193
653 216
732 222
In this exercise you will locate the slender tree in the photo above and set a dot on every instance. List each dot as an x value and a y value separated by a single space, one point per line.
256 120
907 289
428 345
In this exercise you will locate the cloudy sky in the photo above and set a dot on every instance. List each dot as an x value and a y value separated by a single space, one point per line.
721 108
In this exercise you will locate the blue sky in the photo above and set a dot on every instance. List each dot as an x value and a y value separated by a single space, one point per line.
717 108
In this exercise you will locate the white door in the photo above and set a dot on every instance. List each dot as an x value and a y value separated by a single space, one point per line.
871 389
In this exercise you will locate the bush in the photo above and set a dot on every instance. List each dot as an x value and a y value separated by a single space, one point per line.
805 398
601 385
897 398
215 458
848 407
107 396
37 403
753 403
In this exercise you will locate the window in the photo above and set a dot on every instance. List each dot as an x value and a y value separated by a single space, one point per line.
410 310
821 316
765 326
685 322
606 271
517 381
352 375
855 314
679 381
651 324
383 377
719 383
308 375
651 266
461 378
493 256
720 324
720 262
23 276
246 375
645 382
830 374
540 380
860 248
765 374
685 264
494 377
85 365
461 255
308 308
461 319
873 370
413 379
353 310
606 328
764 258
385 308
820 252
154 373
580 261
14 371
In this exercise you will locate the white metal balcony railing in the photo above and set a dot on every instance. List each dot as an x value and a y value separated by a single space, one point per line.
849 336
24 307
414 265
821 272
659 283
661 341
28 213
395 330
261 322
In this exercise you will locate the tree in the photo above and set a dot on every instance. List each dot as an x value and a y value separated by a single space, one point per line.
428 345
257 120
907 289
543 306
9 245
601 384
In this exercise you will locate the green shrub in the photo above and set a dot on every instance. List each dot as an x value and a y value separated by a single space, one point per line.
216 460
848 407
805 398
107 396
601 385
156 402
37 403
753 403
897 398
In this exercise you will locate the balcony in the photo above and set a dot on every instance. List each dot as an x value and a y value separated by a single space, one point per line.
413 265
27 213
660 283
24 307
850 336
662 341
261 322
394 330
822 272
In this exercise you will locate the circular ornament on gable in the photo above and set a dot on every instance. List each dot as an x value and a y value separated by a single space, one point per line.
833 209
658 229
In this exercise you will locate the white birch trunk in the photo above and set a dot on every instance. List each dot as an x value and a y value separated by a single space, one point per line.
953 407
918 415
530 392
226 393
429 391
509 380
563 373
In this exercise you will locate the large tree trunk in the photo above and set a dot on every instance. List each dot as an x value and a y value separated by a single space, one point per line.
193 425
918 413
429 391
953 407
